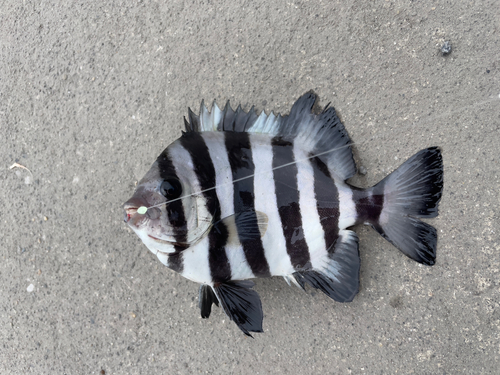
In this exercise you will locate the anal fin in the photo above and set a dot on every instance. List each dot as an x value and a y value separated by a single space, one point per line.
339 277
241 304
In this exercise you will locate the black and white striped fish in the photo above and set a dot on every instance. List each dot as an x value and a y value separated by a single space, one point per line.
240 196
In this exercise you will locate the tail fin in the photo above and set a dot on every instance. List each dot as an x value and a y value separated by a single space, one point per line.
412 191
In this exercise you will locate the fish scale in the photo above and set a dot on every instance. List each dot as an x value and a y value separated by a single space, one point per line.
244 196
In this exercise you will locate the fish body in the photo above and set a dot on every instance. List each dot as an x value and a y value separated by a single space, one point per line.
241 196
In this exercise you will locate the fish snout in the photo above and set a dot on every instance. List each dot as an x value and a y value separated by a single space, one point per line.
131 206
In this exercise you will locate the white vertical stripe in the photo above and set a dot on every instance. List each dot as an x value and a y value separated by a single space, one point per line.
195 263
347 207
223 175
181 159
313 230
273 240
198 218
225 193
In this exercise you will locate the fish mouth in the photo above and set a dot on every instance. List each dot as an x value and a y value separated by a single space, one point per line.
128 214
131 206
133 219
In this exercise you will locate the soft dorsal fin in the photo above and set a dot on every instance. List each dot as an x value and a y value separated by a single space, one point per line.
320 134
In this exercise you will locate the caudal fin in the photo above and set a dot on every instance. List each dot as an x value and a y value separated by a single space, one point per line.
412 191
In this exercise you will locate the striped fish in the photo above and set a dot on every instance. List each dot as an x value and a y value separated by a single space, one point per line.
240 196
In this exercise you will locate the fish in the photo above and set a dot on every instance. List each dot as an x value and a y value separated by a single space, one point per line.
242 195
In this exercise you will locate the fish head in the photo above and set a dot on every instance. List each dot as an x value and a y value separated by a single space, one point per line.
167 210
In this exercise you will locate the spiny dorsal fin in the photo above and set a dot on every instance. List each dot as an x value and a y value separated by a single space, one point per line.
215 119
317 133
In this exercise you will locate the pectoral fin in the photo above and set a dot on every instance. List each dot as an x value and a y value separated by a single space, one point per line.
244 226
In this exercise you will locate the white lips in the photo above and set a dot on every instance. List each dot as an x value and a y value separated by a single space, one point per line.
161 241
155 245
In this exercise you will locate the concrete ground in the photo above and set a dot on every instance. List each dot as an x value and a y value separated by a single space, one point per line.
91 92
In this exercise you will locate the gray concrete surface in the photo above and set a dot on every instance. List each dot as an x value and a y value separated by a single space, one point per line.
92 91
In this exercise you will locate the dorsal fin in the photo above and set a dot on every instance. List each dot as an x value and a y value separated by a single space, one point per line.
215 119
321 133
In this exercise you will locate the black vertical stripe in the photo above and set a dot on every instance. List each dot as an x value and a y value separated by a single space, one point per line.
175 213
220 268
242 166
287 198
327 201
369 203
175 262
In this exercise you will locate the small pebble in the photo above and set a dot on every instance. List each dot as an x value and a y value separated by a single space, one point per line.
30 288
362 171
446 48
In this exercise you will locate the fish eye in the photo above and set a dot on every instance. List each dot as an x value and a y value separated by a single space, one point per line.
171 188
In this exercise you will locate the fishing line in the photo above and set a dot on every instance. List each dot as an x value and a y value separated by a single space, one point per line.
143 209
